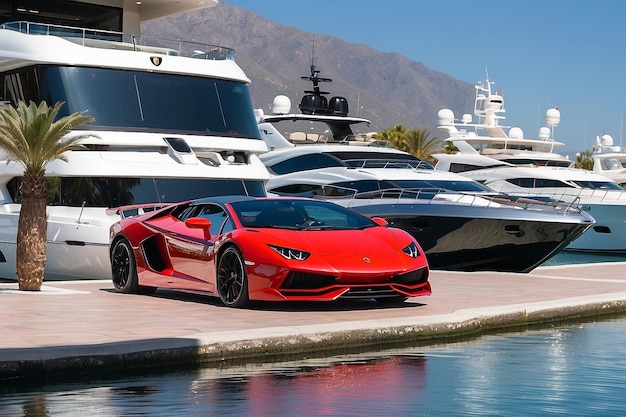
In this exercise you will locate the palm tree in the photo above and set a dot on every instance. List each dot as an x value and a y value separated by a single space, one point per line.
451 147
584 160
31 137
419 143
395 135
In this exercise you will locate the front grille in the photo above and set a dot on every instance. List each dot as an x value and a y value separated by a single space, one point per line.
307 280
412 278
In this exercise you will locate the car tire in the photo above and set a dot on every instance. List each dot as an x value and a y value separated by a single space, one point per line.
232 279
124 269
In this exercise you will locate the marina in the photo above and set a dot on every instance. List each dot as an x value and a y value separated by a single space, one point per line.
508 162
143 152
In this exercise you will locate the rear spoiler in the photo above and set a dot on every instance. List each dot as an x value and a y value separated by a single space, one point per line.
135 209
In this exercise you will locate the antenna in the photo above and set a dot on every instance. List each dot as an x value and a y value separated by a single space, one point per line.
312 57
314 77
621 127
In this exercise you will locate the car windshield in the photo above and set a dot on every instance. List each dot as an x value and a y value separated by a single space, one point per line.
298 215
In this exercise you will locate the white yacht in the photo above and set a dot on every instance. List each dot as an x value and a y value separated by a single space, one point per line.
609 159
509 163
320 121
504 143
173 121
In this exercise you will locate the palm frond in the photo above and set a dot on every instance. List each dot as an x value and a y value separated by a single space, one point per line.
30 135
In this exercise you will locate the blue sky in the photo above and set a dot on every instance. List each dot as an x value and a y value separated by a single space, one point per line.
541 54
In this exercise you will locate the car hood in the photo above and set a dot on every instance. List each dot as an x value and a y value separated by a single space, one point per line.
334 242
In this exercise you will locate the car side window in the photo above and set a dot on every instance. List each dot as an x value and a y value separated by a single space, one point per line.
216 215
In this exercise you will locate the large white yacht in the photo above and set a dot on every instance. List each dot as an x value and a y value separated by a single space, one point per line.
173 121
505 143
460 224
509 163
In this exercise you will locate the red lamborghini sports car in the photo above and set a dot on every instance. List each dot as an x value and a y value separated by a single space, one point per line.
244 248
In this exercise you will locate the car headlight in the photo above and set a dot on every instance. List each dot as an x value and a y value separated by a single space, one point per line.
412 250
291 254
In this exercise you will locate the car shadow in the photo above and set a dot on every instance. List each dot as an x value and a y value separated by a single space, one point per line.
287 306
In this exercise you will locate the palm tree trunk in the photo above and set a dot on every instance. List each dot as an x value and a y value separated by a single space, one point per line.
31 234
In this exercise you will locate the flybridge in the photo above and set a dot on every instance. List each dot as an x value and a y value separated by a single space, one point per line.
105 39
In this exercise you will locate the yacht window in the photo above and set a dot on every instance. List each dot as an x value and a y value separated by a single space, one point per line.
374 159
538 162
458 167
304 163
116 192
311 190
464 186
538 183
599 185
64 12
136 100
364 186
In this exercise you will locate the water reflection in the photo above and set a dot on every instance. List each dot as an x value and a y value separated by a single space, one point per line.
320 387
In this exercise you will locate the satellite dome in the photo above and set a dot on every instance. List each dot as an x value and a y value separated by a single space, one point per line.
445 117
516 133
544 133
553 117
281 105
607 140
467 118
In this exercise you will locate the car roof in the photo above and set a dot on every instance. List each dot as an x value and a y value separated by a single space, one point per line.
228 199
224 199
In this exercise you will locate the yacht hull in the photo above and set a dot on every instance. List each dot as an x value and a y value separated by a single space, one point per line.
75 249
466 241
608 235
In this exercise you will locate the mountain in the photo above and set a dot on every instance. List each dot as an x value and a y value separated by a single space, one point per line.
386 88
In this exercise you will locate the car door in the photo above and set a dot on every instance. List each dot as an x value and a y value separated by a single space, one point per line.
192 252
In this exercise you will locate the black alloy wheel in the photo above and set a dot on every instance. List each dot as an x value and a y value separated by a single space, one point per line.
123 267
232 280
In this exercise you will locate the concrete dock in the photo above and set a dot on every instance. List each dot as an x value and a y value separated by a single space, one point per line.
79 327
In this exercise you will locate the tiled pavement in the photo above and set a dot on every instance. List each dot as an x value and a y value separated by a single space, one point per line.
85 326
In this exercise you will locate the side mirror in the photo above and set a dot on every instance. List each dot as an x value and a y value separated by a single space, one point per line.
380 221
200 223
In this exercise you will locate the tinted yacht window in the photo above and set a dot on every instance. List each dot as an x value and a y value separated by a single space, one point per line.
538 183
116 192
141 101
305 162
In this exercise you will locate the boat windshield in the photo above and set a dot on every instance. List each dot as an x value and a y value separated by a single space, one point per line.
461 186
113 192
139 101
599 185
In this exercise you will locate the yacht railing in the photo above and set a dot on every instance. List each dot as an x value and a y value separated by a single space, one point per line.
107 39
387 163
444 196
582 195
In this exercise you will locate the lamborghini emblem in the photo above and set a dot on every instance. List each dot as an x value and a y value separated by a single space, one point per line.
156 60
